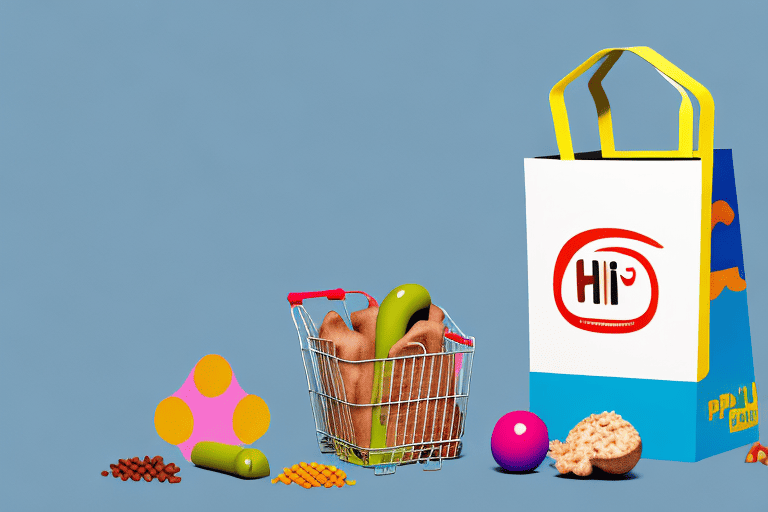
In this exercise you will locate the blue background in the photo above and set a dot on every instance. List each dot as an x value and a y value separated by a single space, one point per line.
169 171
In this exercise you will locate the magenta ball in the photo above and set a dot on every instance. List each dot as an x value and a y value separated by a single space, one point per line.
519 441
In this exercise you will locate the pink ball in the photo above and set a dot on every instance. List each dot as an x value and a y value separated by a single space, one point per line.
519 441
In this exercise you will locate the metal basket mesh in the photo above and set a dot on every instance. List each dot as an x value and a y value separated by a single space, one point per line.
424 400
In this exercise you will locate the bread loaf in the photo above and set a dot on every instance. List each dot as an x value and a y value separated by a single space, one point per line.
352 423
417 379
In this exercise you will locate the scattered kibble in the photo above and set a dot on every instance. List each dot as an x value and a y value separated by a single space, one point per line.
146 468
313 475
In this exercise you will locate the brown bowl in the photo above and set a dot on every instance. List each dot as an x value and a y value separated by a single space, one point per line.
619 465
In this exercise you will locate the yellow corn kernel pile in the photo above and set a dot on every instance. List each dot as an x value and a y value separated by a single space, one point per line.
313 475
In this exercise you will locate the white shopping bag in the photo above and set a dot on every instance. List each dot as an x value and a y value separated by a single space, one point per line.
621 280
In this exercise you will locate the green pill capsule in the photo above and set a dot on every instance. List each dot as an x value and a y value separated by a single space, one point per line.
243 462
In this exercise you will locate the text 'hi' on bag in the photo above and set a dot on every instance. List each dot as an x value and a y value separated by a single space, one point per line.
637 290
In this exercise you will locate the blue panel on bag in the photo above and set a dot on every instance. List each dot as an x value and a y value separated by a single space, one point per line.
726 239
663 412
728 386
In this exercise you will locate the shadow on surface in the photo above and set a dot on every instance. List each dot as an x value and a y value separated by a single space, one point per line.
597 474
229 474
500 469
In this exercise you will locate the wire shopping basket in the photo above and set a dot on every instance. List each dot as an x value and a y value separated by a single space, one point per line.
423 401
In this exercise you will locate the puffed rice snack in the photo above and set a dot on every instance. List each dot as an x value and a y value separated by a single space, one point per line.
605 441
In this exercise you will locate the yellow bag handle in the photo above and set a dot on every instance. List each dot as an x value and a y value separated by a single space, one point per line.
705 150
605 124
669 71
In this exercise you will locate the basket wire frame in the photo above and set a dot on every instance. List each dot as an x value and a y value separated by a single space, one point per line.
425 398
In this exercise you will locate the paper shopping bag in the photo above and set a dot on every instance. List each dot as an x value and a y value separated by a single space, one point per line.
636 282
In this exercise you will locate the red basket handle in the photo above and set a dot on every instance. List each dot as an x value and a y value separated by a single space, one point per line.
457 338
296 299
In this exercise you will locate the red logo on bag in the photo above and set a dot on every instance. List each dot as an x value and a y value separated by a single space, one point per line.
605 285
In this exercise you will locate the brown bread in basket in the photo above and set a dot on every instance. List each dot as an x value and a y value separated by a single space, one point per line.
351 423
421 380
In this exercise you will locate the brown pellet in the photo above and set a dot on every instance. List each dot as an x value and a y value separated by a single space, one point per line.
146 468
